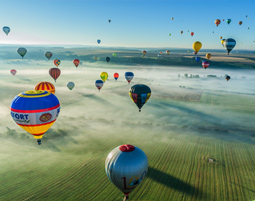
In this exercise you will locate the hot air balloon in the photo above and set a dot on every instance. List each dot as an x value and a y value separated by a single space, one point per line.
221 37
159 54
172 18
240 22
13 72
170 34
222 42
229 44
208 55
6 30
140 94
99 84
116 76
109 21
45 86
197 46
57 62
227 77
205 64
246 16
114 54
197 59
192 33
35 111
54 73
95 58
76 62
107 59
188 50
217 22
70 85
98 41
126 166
228 21
104 76
167 52
181 32
248 27
129 76
144 52
48 55
22 51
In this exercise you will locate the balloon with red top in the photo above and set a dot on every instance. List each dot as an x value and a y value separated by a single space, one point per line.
76 62
126 166
205 64
116 76
13 72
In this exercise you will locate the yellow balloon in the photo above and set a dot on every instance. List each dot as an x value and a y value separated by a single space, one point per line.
104 76
221 37
208 55
222 41
197 46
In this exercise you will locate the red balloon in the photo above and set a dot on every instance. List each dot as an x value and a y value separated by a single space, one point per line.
55 73
205 64
13 72
76 62
116 76
192 33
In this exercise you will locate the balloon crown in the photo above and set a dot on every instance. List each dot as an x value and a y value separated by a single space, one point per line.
127 148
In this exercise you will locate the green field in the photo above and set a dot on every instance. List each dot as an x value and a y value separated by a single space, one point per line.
199 140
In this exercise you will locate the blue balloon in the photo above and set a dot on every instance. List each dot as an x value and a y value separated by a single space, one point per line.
197 59
98 41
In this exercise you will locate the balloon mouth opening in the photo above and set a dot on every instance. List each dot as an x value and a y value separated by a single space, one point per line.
127 148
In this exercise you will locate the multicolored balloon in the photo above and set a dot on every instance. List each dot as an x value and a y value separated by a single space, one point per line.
6 30
99 84
107 59
205 64
22 51
217 22
35 111
140 94
116 76
70 85
104 76
167 52
228 21
76 62
129 76
196 46
126 166
45 86
229 44
13 72
240 22
48 55
227 77
57 62
55 73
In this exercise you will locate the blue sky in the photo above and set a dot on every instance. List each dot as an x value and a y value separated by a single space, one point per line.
135 23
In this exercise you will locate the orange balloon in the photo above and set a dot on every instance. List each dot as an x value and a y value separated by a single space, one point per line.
45 86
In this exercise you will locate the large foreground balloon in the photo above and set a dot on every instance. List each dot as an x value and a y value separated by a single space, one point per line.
70 85
104 76
99 84
45 86
13 72
76 62
140 94
48 55
126 166
57 62
208 55
217 22
6 30
205 64
196 46
35 111
129 76
107 59
22 51
116 76
229 44
54 73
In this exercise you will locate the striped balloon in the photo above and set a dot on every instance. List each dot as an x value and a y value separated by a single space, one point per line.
229 44
46 86
55 73
205 64
35 111
99 84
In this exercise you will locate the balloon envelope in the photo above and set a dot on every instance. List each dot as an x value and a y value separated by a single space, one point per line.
205 64
13 72
229 44
197 46
129 76
197 59
76 62
70 85
35 111
22 51
208 55
55 73
48 55
116 76
217 22
99 84
45 86
107 59
192 33
167 52
228 21
57 62
227 77
98 41
104 76
6 30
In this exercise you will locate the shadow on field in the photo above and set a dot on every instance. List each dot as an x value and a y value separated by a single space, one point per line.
243 186
174 183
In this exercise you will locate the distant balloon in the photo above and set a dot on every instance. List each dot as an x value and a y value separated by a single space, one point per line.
248 27
240 22
95 58
227 77
192 33
76 62
99 84
228 21
107 59
98 41
197 46
221 37
109 21
54 73
172 18
222 42
70 85
22 51
144 52
116 76
140 94
126 166
170 34
208 55
129 76
181 32
205 64
167 52
114 54
57 62
13 72
6 30
197 59
217 22
35 111
48 55
229 44
104 76
45 86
